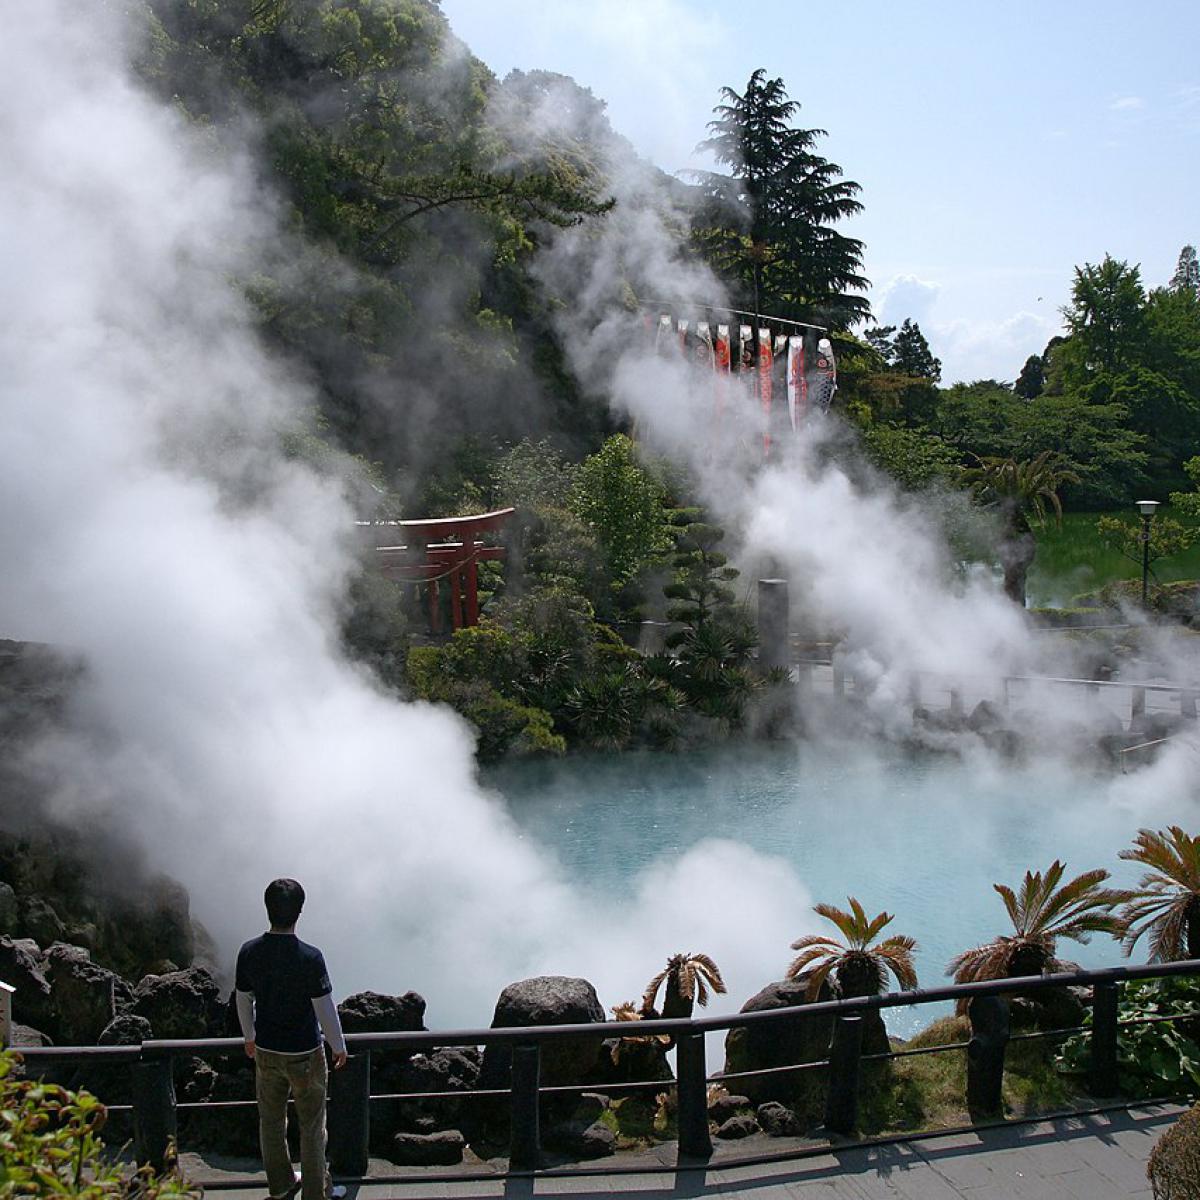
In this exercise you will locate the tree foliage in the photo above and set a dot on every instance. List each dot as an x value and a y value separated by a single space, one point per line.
769 225
1166 902
1043 910
859 963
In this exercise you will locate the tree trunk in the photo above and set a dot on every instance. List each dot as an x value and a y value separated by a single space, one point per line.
1017 553
1193 927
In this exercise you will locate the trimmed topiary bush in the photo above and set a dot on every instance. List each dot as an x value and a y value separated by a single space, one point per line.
1174 1166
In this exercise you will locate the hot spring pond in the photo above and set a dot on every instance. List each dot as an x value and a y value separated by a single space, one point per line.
923 838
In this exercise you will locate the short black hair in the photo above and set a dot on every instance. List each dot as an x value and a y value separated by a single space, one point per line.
284 899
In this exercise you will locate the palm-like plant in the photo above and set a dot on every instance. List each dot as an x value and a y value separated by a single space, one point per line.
1019 489
1166 903
859 967
1041 913
688 978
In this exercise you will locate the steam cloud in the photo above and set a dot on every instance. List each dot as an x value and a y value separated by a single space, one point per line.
154 529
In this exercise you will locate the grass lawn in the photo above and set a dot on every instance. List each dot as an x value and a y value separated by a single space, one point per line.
1072 559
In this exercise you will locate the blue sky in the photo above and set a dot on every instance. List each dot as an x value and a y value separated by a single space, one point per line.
998 146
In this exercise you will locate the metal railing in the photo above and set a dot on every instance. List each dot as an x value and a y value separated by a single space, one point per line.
155 1107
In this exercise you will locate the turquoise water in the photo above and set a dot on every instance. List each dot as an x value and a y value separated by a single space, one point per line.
922 838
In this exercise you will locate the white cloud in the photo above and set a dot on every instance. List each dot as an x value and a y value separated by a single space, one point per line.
906 296
1127 103
989 348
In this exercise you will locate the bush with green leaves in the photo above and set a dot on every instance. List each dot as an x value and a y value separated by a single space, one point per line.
50 1146
1160 1059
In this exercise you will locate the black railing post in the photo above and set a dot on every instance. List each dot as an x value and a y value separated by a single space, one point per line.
525 1139
985 1055
692 1085
350 1116
845 1052
155 1124
1103 1075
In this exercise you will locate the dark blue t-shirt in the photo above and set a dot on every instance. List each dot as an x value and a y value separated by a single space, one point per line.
285 975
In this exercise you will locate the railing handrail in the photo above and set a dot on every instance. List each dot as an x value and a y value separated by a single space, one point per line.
421 1039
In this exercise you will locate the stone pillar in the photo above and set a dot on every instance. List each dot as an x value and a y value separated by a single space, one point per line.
773 647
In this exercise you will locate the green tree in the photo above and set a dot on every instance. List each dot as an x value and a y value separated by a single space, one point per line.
858 962
1187 272
623 503
1106 318
1167 537
769 225
1032 378
1166 902
1188 503
1042 911
1019 491
913 458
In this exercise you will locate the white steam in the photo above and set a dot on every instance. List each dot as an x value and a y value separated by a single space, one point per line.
154 529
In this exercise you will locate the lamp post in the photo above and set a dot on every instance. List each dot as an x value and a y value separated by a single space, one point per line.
1147 509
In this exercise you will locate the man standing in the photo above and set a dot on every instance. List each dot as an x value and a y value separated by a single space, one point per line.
283 995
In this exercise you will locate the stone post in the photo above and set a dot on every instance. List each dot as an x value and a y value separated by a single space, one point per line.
774 649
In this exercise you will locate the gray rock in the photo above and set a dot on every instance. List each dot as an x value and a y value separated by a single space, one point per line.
39 920
181 1004
547 1000
778 1120
22 970
737 1127
373 1012
441 1149
82 994
8 910
581 1140
799 1039
126 1029
23 1035
447 1069
721 1108
629 1060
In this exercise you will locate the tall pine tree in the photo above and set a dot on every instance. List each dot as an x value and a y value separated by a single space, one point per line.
768 226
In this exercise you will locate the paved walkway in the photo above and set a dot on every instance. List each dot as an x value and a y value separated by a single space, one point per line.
1100 1157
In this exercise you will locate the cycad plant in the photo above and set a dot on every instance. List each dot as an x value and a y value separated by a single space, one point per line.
1166 902
859 967
688 978
1041 913
1019 490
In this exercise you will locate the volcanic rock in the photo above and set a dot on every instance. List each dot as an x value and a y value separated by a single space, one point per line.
22 970
547 1000
633 1060
82 993
798 1039
778 1120
39 920
8 910
737 1127
581 1140
181 1004
722 1107
373 1012
427 1149
125 1029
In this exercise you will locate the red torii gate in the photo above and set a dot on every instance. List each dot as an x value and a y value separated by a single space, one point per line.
441 548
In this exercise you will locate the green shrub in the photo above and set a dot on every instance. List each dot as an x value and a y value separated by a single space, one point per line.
50 1146
1174 1166
1162 1059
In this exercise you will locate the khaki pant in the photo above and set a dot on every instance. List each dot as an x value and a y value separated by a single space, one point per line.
304 1076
